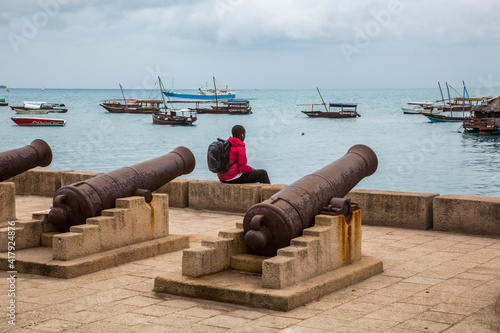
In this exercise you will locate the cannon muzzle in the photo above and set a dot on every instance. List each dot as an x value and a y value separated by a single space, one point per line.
74 203
273 223
16 161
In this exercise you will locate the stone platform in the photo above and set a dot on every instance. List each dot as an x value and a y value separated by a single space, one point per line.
133 230
239 287
433 281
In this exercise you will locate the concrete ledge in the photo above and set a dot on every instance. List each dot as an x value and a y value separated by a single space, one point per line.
178 192
245 288
39 260
42 182
7 201
395 209
467 214
71 177
214 195
268 191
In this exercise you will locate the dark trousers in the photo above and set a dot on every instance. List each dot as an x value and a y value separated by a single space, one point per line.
254 176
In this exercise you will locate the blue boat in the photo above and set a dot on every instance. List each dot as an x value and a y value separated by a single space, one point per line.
204 95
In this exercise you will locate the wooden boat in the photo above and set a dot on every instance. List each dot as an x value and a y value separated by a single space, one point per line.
3 102
40 108
130 105
34 121
437 118
177 117
340 110
485 118
228 107
166 116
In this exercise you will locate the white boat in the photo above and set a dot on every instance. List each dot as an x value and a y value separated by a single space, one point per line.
420 107
39 108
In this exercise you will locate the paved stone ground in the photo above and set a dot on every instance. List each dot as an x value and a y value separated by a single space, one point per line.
433 282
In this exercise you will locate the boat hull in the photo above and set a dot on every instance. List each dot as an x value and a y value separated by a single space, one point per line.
123 109
25 110
324 114
163 119
33 121
4 104
438 118
223 110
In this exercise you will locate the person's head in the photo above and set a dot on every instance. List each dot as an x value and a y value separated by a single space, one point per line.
239 132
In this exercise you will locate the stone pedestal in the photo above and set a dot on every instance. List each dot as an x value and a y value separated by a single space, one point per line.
326 258
131 231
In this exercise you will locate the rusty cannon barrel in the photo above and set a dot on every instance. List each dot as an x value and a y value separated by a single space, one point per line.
273 223
74 203
16 161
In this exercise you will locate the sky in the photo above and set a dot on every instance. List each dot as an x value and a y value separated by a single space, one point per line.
249 44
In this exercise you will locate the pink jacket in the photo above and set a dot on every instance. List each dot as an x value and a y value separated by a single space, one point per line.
237 153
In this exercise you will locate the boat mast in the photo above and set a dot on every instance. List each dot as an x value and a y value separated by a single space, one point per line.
442 97
449 98
324 104
465 88
215 89
126 106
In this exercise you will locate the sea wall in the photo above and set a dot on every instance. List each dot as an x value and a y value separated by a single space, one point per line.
424 211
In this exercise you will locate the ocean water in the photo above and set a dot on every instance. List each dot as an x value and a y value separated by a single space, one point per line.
414 154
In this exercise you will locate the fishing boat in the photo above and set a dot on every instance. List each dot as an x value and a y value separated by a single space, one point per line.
34 121
335 110
130 105
227 107
3 102
172 116
418 107
437 118
485 118
204 94
39 108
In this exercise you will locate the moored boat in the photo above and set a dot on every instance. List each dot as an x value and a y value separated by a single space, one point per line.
39 108
227 107
174 117
335 110
35 121
166 116
3 102
131 106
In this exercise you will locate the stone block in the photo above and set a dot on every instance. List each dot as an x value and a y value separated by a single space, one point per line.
268 191
395 209
7 201
214 195
330 244
475 215
247 262
71 177
178 192
37 181
28 234
81 241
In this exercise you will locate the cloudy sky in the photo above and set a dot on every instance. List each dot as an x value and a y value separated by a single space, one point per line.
262 44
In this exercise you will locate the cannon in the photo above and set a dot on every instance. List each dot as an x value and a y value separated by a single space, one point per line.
16 161
273 223
73 204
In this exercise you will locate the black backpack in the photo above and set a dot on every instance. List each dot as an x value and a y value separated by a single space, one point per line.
218 156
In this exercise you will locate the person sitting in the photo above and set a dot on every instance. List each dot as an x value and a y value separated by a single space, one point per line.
240 172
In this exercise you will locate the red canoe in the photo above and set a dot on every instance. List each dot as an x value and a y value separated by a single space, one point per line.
32 121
